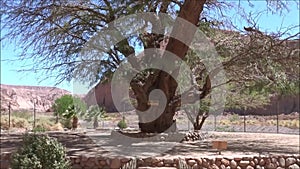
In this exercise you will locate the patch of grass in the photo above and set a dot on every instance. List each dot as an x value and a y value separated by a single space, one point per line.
44 123
228 122
225 128
23 114
293 124
234 118
15 122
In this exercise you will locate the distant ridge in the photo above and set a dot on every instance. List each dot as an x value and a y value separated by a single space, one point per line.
22 97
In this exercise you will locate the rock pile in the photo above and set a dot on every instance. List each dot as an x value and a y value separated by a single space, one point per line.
247 162
194 136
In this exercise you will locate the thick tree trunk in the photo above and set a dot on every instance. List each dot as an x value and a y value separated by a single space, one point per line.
189 11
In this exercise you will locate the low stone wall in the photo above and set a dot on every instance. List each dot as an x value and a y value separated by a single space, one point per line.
218 162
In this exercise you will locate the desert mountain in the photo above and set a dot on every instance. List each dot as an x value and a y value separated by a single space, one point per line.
23 97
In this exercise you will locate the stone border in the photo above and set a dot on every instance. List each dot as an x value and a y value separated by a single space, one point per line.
250 162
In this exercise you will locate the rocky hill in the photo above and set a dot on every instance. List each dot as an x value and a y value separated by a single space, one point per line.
23 97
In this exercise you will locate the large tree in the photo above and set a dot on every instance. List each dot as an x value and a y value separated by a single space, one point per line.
52 34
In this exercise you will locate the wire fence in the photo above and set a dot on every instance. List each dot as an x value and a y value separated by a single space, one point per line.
280 123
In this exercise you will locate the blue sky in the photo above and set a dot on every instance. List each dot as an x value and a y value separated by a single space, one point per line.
266 22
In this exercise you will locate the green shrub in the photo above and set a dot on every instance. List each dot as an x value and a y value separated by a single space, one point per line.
234 118
40 152
122 124
39 129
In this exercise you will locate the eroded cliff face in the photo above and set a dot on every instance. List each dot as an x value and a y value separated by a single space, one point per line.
23 97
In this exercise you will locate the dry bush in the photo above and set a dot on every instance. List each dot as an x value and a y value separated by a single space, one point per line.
15 122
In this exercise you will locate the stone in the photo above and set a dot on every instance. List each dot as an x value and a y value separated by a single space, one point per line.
258 167
115 163
274 160
168 161
268 161
225 162
125 160
223 166
244 163
214 166
140 162
249 167
196 166
271 166
218 163
91 162
160 164
255 160
281 162
247 158
233 164
262 162
148 160
102 162
5 164
84 158
294 166
77 160
237 159
199 161
191 162
205 163
289 161
252 163
76 166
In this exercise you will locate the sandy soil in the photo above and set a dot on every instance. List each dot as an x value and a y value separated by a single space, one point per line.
238 143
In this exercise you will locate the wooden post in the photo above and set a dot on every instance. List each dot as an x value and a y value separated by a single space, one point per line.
277 118
9 115
244 121
215 121
34 113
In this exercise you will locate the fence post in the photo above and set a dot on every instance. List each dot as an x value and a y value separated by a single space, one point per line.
215 121
9 115
34 113
244 120
277 118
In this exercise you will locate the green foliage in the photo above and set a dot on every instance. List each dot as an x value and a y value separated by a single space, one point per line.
122 123
40 152
225 128
68 107
234 117
38 129
93 112
62 104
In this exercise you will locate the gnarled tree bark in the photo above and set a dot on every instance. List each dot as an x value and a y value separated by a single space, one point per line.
190 11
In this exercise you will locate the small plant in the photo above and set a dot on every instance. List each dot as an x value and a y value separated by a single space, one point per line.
234 117
39 129
93 114
40 152
122 124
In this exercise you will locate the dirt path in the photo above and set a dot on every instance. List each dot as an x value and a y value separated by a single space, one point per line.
238 143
